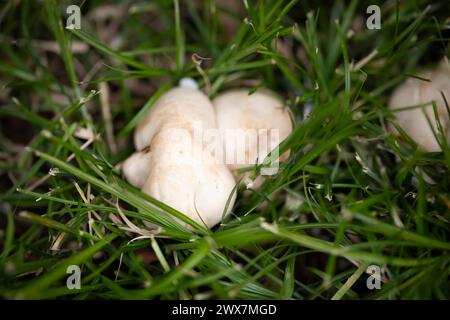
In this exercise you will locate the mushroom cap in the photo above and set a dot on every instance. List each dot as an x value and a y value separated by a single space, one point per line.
197 186
243 115
178 107
414 92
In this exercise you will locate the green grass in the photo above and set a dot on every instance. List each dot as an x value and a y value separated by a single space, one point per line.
350 195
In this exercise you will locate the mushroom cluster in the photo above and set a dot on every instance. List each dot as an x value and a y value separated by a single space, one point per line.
431 85
176 164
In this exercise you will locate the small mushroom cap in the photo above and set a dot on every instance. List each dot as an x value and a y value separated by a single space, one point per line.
136 168
178 107
243 114
414 92
199 188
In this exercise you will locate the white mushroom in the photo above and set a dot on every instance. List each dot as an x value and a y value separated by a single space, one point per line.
181 172
417 92
179 107
252 126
